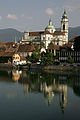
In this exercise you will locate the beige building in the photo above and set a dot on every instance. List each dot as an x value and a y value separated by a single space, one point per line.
16 58
49 34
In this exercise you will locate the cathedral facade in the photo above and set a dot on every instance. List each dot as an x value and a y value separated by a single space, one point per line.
49 34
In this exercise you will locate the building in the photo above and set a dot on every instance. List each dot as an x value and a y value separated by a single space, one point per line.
49 34
27 50
11 57
66 52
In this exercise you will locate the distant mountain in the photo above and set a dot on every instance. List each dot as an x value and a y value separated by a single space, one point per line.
74 32
10 34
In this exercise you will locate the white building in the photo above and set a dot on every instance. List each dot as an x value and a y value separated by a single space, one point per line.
49 35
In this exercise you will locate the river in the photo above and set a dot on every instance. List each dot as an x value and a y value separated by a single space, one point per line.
39 95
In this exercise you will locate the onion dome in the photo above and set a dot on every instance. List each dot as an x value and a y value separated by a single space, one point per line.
26 31
50 26
64 15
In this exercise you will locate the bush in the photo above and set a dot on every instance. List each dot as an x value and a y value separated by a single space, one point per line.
70 59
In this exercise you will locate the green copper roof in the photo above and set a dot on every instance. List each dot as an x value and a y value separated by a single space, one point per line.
26 31
50 26
64 15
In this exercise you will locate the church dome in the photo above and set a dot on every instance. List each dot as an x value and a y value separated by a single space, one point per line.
50 26
26 31
64 15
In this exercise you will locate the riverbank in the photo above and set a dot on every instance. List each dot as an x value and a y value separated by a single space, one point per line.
6 66
41 67
56 67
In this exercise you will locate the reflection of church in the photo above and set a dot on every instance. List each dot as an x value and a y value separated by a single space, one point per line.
49 85
48 91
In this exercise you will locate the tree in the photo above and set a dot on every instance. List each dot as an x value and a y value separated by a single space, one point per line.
30 43
70 59
42 44
50 44
47 58
35 57
77 44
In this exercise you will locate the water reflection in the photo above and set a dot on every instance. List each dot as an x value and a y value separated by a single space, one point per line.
49 84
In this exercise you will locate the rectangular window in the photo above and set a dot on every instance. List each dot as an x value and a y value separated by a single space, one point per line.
43 38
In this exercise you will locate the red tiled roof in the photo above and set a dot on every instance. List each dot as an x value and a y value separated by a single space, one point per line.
46 32
10 43
2 43
26 48
67 45
22 58
36 33
6 54
52 47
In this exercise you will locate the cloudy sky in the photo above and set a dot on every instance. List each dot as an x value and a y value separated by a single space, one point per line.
35 14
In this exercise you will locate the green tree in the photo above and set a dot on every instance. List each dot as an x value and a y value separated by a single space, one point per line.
35 57
30 43
50 44
47 58
42 44
70 59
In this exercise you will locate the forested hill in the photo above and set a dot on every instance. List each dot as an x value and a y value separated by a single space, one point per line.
10 34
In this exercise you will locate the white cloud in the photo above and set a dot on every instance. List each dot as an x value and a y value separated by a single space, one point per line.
11 16
49 11
26 17
0 17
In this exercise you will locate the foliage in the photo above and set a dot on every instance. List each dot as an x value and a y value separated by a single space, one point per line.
77 44
70 59
47 58
30 43
42 44
50 44
3 60
35 55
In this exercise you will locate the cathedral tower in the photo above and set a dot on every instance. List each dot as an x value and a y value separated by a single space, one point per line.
26 35
64 25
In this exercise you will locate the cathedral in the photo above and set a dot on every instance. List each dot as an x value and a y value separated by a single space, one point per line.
49 34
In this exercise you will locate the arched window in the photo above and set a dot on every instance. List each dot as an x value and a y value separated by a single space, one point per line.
63 27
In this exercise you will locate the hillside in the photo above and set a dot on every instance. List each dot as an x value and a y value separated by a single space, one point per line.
74 32
10 34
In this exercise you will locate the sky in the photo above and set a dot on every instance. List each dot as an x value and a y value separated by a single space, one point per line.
35 14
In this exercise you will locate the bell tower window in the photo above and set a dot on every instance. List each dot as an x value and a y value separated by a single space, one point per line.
63 27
